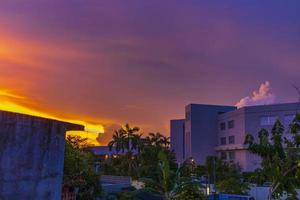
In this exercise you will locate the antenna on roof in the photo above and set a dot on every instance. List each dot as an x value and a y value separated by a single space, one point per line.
298 91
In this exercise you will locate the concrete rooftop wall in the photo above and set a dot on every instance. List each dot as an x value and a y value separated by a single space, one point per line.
31 156
201 130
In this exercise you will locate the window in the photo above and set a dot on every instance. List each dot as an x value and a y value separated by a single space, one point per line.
223 126
231 124
231 140
268 120
231 155
223 155
223 141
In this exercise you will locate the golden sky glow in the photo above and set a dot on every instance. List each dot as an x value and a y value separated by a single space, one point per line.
28 55
91 130
92 138
5 93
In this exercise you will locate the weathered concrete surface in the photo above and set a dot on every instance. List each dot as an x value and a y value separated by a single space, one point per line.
31 156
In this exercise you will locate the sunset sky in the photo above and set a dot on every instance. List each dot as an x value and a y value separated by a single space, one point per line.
110 62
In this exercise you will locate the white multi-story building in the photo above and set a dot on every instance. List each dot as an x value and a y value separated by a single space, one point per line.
221 130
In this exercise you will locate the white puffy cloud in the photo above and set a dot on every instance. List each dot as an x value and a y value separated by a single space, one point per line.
263 96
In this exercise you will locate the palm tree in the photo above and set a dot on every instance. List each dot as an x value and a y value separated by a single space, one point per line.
154 139
157 139
138 142
118 142
130 134
166 141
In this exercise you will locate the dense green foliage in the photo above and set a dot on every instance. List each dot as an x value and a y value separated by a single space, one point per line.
140 159
257 177
226 176
79 170
280 158
186 189
150 160
172 184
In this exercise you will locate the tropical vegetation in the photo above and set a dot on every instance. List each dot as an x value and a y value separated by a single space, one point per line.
150 160
79 169
280 158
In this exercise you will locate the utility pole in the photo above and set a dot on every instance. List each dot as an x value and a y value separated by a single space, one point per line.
214 174
298 91
215 192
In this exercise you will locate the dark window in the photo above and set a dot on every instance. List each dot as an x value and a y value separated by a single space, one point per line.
231 140
223 140
231 124
231 155
223 126
223 155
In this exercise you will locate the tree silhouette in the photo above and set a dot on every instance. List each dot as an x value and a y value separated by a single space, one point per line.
280 158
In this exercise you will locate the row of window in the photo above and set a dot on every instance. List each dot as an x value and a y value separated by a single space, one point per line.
225 155
270 120
230 124
264 121
223 140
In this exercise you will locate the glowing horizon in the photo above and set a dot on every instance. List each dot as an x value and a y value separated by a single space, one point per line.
91 130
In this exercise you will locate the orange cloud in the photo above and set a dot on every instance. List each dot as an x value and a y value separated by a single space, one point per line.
6 93
17 50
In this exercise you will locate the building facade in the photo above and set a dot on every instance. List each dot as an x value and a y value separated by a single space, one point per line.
32 156
221 131
200 130
177 143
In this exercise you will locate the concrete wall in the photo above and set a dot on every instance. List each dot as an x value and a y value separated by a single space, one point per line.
177 139
239 134
238 131
253 125
112 184
31 156
201 124
248 120
254 114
